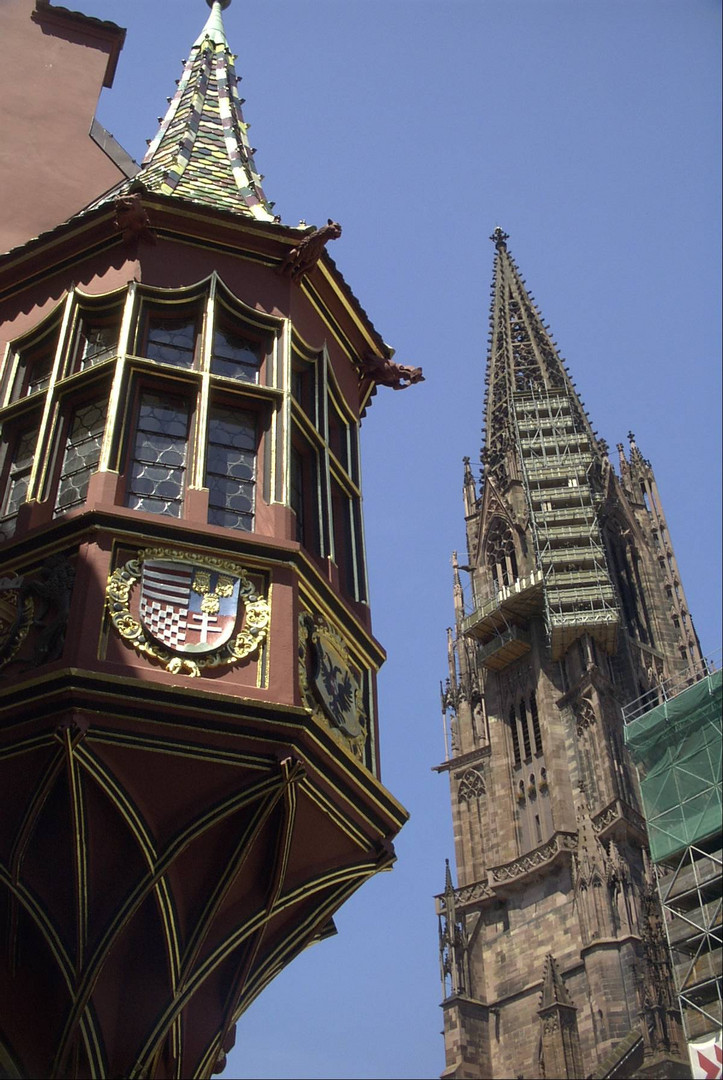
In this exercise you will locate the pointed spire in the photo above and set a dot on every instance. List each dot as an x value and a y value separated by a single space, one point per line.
201 151
554 991
523 357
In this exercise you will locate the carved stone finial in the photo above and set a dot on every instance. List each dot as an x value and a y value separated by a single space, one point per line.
303 258
500 238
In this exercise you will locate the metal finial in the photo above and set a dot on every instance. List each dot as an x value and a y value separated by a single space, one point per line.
500 238
224 3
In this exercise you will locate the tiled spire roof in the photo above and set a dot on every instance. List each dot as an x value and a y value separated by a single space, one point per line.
202 151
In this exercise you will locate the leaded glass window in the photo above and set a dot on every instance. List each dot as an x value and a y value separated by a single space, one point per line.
158 468
82 452
18 478
339 437
236 357
35 365
231 468
97 341
172 341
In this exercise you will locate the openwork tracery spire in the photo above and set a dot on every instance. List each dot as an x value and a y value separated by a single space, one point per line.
202 151
523 357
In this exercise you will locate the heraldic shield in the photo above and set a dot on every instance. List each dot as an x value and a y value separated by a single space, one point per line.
190 612
188 608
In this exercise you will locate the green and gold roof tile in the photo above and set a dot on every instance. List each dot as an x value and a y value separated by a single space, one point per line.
201 151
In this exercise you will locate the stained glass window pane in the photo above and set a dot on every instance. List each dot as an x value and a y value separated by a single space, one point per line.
18 478
231 468
236 357
159 456
172 341
82 452
97 342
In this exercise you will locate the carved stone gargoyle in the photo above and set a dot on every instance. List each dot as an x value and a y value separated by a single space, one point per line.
385 372
131 218
304 257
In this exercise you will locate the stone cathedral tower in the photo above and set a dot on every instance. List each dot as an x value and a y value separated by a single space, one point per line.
550 945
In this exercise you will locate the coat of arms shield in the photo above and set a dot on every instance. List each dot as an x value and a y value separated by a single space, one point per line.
188 608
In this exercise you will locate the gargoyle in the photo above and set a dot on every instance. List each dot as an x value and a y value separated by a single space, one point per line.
304 257
385 372
132 220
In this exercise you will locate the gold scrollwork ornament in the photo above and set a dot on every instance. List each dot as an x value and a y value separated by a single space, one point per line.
172 628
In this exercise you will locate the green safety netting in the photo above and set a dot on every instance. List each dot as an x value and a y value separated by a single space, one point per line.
677 749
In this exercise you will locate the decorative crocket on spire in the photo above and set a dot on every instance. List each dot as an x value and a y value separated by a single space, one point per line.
523 356
201 151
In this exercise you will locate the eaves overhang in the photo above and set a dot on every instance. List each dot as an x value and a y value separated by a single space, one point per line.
173 217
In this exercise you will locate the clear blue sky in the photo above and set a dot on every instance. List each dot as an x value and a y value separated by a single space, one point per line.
589 130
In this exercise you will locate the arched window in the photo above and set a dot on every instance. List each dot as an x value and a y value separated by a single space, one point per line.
471 786
501 557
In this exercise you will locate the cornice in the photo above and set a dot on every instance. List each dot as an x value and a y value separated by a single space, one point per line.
213 724
463 760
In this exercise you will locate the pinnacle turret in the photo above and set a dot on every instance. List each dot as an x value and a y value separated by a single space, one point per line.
202 151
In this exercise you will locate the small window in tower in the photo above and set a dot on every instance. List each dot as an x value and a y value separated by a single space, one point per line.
515 739
82 453
158 467
536 733
236 356
21 456
564 681
525 731
231 468
171 338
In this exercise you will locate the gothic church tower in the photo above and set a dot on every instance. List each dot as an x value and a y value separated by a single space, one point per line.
548 945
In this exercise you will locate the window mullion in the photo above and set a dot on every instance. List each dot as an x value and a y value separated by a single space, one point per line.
42 460
197 475
116 402
328 547
277 452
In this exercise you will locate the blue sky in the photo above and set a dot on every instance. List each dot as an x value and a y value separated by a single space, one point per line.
587 129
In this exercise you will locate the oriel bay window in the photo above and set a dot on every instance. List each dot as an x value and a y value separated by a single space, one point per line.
171 389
